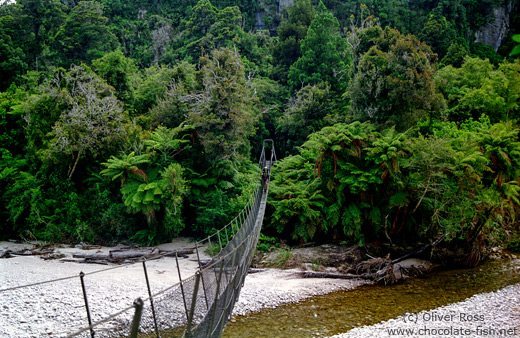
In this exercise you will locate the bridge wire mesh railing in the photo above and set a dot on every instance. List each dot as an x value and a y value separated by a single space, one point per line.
197 306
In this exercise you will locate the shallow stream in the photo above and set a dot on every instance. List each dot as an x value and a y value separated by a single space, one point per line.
341 311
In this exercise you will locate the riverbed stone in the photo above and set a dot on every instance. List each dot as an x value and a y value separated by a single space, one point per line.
411 267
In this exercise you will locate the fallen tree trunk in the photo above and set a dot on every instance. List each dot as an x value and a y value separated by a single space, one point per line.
27 253
126 254
317 274
254 270
91 256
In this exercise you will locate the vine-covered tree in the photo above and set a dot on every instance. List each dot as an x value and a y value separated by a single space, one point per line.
93 121
394 82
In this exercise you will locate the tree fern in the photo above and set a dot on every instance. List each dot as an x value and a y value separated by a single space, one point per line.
121 167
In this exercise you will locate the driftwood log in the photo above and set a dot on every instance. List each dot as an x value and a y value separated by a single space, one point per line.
318 274
380 270
25 252
130 255
114 256
91 256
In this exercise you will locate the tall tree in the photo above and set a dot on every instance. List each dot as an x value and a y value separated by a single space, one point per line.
85 35
210 28
291 32
12 63
438 34
308 112
117 70
394 82
35 25
323 54
94 120
223 113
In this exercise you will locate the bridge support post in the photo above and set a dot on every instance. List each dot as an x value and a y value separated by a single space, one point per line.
227 238
193 303
81 276
219 240
151 299
134 329
182 287
214 306
210 246
202 277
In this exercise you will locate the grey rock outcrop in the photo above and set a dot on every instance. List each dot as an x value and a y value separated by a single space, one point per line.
494 32
284 4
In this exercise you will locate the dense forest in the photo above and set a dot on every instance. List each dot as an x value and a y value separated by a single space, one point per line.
142 120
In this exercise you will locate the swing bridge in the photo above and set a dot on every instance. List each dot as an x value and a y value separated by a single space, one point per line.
198 306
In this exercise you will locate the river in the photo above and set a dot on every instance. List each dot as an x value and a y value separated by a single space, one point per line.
341 311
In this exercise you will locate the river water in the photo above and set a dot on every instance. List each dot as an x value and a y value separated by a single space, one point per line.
341 311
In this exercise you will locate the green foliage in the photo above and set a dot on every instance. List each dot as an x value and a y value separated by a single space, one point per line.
222 113
167 141
516 50
322 58
173 97
84 36
393 83
306 113
266 243
148 189
31 26
48 209
11 127
483 51
455 55
94 120
219 193
353 182
153 84
173 107
514 245
479 88
461 183
12 63
326 190
291 31
210 28
439 34
117 70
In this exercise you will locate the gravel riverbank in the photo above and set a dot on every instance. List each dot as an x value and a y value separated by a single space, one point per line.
57 309
494 314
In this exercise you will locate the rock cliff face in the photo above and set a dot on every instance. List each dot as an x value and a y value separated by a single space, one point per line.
494 32
270 10
284 4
